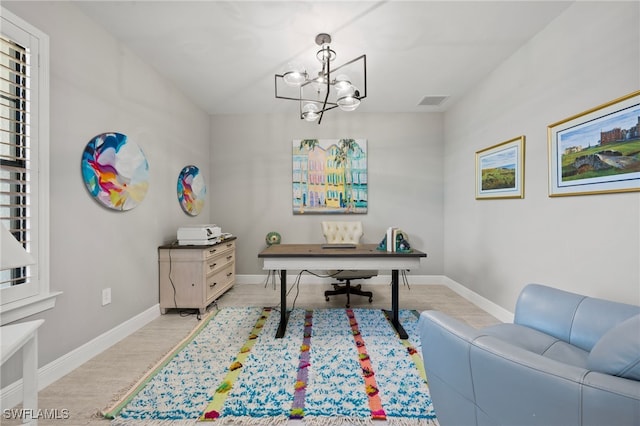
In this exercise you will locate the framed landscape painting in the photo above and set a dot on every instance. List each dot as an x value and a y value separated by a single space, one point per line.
596 151
500 170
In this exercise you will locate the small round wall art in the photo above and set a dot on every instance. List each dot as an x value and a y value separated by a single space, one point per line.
115 171
191 190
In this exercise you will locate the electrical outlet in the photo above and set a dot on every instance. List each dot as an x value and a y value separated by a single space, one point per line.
106 296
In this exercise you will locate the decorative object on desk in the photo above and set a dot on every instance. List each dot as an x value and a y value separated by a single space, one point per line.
273 238
314 373
191 190
332 87
399 237
272 276
115 171
329 176
500 170
595 152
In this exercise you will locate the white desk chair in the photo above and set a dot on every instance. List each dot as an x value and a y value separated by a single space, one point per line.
340 233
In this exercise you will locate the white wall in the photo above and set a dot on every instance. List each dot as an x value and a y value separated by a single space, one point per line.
251 179
588 244
98 85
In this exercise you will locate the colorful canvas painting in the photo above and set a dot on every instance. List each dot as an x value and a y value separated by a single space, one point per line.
191 190
115 171
330 176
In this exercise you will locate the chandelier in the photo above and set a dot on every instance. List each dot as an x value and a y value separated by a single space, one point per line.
329 88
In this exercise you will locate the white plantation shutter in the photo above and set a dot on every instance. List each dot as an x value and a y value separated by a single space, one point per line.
24 164
14 151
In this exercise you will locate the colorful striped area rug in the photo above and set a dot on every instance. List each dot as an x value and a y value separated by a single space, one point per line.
333 367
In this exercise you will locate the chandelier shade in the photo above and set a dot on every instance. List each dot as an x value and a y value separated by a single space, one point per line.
310 111
295 74
327 88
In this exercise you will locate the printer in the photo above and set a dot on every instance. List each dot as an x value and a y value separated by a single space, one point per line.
199 235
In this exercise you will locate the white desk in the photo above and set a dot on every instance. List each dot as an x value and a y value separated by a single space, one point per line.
14 337
314 257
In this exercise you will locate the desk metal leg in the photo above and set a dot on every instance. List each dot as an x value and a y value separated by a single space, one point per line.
283 305
395 305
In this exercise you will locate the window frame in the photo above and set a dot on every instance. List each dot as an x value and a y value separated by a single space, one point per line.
16 302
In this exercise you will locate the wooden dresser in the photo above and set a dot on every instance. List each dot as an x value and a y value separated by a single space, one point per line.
192 277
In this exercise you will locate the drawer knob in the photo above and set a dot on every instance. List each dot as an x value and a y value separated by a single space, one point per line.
229 274
213 265
229 257
212 285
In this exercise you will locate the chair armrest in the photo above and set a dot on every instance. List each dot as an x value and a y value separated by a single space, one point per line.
446 342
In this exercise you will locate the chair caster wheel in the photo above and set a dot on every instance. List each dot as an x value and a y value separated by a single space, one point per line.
326 298
348 305
370 299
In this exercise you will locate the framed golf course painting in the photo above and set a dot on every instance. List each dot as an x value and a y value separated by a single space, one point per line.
596 151
500 170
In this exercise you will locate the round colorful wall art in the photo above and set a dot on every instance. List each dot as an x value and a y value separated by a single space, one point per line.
191 190
115 171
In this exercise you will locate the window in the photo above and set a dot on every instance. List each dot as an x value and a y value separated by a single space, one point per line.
14 156
24 164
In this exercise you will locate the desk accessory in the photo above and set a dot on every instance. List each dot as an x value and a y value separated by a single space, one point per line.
273 238
400 238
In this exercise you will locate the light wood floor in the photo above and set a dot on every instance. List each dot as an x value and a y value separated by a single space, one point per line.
90 388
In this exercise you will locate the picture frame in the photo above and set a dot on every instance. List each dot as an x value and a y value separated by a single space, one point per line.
329 176
596 151
500 170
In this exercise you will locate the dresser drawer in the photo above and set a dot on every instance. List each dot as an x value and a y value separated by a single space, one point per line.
219 250
220 279
216 263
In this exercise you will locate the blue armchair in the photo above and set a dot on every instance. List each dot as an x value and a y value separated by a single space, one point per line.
566 360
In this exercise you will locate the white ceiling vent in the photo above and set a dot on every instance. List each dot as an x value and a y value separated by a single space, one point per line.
432 100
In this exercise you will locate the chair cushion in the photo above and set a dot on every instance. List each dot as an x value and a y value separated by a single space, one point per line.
523 337
349 274
538 342
568 354
618 351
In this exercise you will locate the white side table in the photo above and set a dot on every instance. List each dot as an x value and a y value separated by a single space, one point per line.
14 337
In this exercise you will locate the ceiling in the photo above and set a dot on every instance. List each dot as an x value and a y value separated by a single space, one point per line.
223 54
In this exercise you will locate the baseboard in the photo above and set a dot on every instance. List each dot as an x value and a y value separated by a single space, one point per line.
496 310
47 374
